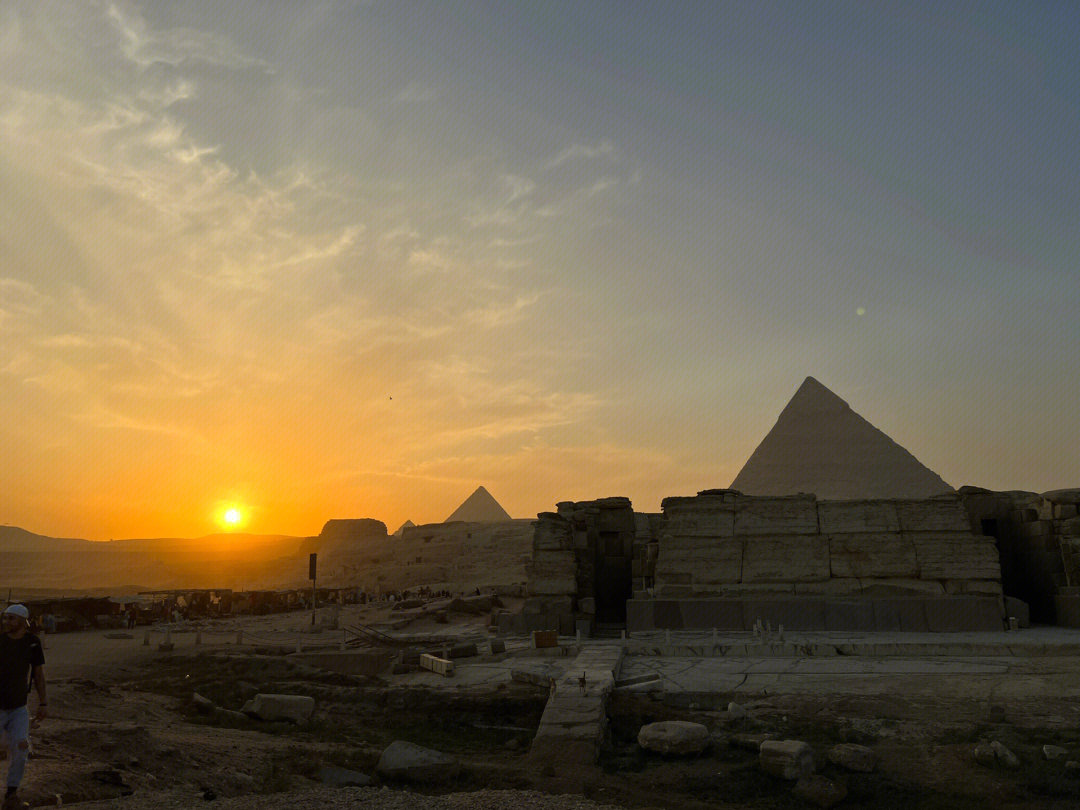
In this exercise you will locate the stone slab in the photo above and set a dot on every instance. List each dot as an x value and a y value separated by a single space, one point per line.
901 587
900 615
850 615
956 555
772 558
932 515
973 587
704 522
720 562
862 517
963 613
795 514
836 586
872 555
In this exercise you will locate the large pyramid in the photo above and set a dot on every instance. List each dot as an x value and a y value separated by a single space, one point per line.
479 507
820 446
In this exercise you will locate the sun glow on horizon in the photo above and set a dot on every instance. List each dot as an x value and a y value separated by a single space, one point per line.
232 517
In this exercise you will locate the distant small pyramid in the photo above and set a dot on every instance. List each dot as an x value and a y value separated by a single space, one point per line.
820 445
479 507
408 524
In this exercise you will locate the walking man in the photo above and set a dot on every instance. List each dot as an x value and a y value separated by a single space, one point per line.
21 659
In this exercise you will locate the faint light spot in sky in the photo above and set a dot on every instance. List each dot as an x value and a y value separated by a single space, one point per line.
860 311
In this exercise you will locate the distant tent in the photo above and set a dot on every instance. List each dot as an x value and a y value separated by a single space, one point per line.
408 524
820 445
479 507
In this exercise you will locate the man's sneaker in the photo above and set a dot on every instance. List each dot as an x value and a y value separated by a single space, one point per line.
13 802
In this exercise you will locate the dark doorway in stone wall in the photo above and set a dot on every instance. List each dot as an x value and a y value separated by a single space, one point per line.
1027 572
613 585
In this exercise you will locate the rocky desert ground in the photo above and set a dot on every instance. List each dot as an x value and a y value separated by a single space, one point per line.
137 726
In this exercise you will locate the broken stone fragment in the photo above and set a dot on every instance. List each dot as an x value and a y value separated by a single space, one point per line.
678 737
853 757
1054 751
413 763
295 708
1004 755
788 759
984 754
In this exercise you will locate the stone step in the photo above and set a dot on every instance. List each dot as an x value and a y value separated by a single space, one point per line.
574 722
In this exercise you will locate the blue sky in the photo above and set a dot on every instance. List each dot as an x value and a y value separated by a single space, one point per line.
588 249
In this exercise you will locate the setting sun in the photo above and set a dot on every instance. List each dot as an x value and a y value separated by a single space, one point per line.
232 517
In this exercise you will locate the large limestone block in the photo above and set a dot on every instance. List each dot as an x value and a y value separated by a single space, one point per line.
788 759
744 589
619 519
786 559
956 556
837 586
1063 496
795 514
550 536
853 757
973 587
674 737
718 521
864 517
552 586
554 558
901 587
294 708
872 555
413 763
719 561
933 515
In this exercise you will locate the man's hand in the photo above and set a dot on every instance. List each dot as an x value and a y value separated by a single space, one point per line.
42 713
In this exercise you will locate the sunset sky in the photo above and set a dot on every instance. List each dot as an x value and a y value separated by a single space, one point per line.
354 259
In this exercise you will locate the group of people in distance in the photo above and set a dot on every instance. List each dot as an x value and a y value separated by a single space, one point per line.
22 664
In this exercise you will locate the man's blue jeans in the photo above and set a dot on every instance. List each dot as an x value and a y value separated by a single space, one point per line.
16 724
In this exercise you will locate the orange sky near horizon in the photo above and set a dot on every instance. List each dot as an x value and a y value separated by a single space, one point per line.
345 260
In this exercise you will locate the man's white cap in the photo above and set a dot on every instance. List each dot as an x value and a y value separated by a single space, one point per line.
18 610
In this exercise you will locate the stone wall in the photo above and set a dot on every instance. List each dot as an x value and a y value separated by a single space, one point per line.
456 556
721 543
582 564
1039 540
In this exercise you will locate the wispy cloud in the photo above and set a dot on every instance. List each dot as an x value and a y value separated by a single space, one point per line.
145 46
579 152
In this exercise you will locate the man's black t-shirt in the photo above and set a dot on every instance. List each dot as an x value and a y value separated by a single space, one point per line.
17 657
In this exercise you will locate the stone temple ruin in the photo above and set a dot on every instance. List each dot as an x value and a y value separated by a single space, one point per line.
830 526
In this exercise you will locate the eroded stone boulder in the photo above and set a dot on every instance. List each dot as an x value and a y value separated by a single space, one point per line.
414 763
294 708
678 737
788 759
853 757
